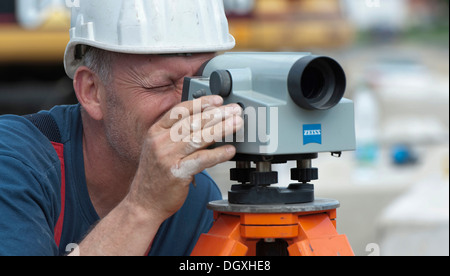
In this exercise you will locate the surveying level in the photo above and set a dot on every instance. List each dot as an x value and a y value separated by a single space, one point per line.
301 98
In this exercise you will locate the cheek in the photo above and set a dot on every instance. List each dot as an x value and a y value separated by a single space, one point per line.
121 127
158 106
137 114
169 102
152 109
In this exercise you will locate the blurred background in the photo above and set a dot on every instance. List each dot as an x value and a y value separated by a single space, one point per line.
393 189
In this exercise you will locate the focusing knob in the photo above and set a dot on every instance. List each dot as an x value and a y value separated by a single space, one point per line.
220 83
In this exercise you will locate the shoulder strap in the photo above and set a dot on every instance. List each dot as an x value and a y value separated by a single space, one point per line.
47 125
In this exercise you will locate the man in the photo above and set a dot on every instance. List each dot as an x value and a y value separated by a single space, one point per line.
127 184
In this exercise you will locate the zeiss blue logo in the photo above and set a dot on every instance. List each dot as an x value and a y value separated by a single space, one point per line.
312 134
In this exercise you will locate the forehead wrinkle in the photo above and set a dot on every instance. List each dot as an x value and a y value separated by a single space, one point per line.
162 70
142 75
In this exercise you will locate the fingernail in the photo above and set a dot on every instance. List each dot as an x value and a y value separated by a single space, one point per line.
237 109
218 100
230 149
232 110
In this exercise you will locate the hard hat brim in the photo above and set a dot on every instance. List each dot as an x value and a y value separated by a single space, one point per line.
71 64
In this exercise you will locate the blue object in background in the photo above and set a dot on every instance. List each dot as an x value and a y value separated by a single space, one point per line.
403 155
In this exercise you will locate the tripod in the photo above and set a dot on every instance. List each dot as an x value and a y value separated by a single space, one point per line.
259 220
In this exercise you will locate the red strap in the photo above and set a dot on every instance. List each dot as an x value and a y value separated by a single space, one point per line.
59 148
59 224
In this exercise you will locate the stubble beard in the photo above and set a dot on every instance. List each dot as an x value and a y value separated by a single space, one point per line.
120 133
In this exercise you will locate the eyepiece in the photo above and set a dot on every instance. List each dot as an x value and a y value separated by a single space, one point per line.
316 83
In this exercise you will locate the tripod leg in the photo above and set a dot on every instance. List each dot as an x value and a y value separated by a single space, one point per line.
318 237
222 240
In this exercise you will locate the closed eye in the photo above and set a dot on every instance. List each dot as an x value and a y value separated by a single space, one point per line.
171 85
159 88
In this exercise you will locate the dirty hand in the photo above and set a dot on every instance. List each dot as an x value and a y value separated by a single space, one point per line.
175 150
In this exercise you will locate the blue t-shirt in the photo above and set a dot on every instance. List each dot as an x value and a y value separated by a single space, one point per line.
30 193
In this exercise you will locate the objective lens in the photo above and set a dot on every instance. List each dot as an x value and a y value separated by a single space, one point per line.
316 83
312 82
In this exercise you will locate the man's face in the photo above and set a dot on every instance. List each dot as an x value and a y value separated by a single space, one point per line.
143 89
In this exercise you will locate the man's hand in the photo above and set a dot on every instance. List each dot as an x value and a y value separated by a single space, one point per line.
175 149
168 163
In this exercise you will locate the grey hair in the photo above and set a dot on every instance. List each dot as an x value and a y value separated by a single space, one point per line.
100 62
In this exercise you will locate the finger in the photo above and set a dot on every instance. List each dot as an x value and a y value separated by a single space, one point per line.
208 118
213 116
201 160
186 109
206 137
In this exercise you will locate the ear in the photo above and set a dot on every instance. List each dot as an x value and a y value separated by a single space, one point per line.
89 90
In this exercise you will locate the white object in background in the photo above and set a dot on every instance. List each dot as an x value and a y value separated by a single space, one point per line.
373 14
31 14
417 223
367 124
240 7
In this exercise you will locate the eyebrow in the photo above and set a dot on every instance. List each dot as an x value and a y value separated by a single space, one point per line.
135 77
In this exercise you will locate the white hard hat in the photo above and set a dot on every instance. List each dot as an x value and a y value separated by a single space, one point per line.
147 27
